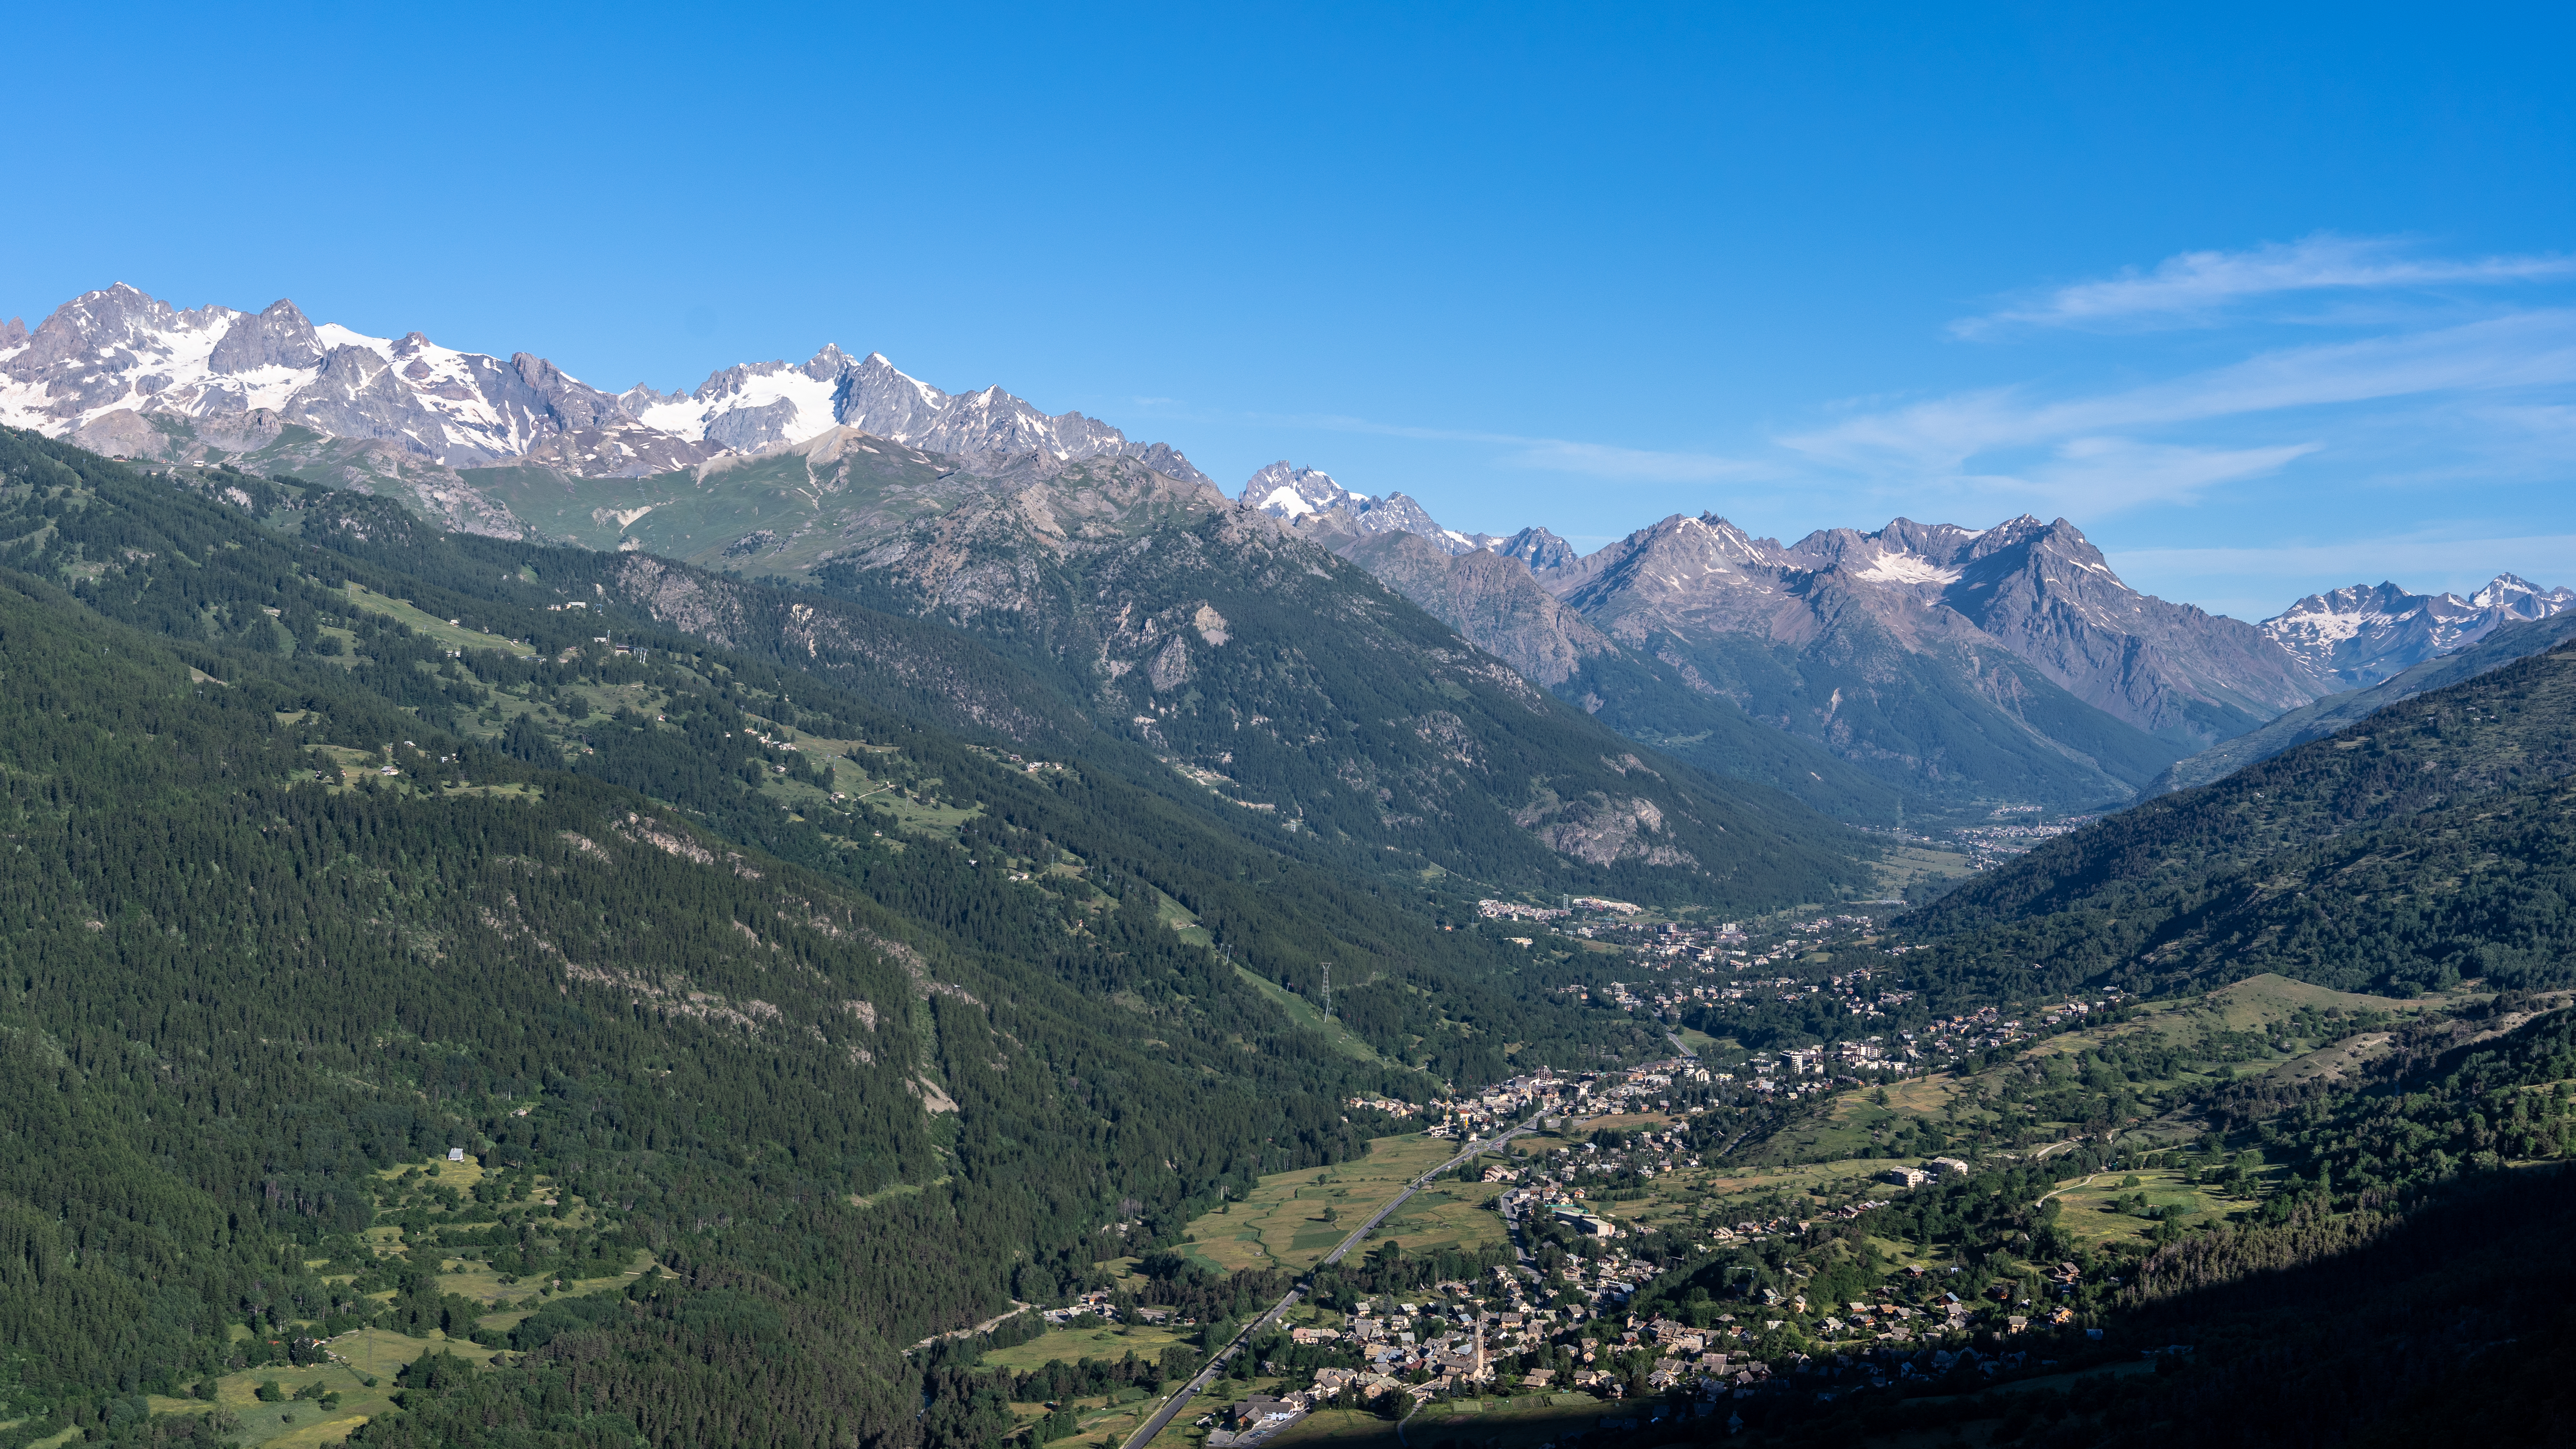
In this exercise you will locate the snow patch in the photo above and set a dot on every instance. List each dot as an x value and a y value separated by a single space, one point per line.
1287 500
332 334
1906 568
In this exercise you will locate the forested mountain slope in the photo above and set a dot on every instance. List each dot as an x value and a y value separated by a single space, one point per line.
2429 842
314 882
1248 661
2316 721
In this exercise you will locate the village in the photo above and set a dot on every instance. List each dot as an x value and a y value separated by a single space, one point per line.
1557 1324
1826 976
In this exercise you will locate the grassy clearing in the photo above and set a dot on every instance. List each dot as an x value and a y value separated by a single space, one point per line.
295 1424
1909 865
1700 1042
2087 1210
1073 1345
1621 1122
1281 1225
1173 914
429 625
1307 1016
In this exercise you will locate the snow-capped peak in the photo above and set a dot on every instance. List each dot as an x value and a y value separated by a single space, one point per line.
104 360
2361 634
1284 490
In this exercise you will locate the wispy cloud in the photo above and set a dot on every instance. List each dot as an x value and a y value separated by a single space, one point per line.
2087 441
1606 461
2099 475
2195 288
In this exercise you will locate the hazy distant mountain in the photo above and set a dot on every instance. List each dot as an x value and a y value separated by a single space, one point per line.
2360 635
2042 591
2007 663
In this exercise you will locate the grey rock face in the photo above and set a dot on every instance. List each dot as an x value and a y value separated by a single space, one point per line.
2360 635
2042 591
1491 600
748 429
1538 550
278 337
119 348
1923 653
2172 670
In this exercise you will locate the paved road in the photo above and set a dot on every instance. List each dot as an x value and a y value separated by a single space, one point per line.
1206 1376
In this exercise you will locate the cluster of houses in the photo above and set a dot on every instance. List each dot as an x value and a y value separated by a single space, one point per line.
1987 846
1493 910
1515 911
1938 1167
1558 1098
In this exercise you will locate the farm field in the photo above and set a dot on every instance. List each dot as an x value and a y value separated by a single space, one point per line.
1451 1214
1281 1224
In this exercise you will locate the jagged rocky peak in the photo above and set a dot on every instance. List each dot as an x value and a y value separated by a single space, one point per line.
2522 598
1539 550
2361 634
1284 490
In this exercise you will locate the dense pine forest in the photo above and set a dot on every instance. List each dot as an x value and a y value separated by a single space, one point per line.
852 1024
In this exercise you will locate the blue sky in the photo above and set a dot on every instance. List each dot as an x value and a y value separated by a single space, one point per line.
2267 299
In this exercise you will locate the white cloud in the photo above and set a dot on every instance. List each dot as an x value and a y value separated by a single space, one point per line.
2195 286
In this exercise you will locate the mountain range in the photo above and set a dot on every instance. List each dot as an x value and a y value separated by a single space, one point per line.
1946 667
126 374
2360 635
2010 660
